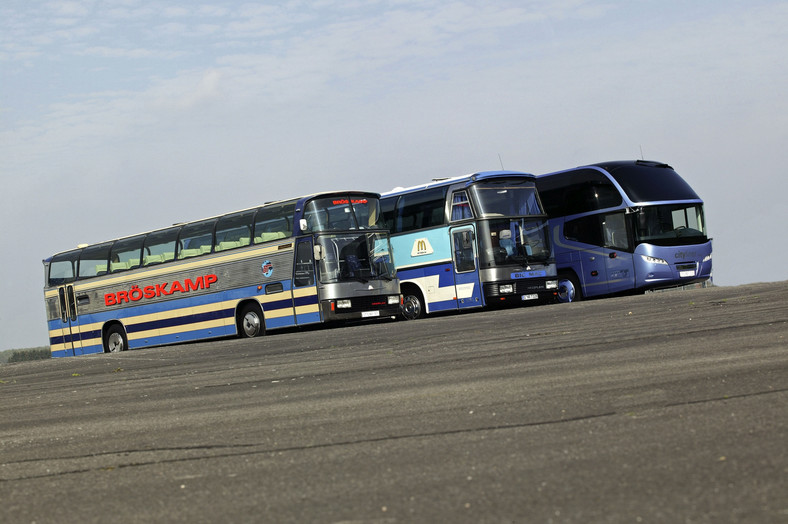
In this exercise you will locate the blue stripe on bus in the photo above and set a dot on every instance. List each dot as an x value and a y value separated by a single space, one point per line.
308 318
183 336
444 272
280 322
305 301
279 304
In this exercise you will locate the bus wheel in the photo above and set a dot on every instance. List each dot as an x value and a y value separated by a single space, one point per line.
250 321
568 289
412 305
115 339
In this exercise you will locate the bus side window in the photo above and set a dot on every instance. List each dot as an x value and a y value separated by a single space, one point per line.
159 246
126 254
585 229
195 239
387 212
234 231
93 261
615 230
421 210
460 207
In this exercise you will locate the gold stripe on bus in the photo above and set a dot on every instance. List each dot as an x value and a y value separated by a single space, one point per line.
304 292
208 324
311 308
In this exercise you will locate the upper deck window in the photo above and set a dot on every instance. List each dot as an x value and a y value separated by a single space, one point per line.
577 191
652 183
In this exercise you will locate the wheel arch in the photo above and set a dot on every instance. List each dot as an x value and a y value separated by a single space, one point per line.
105 329
411 286
239 309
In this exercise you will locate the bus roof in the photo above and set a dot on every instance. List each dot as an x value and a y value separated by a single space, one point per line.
300 199
470 178
643 180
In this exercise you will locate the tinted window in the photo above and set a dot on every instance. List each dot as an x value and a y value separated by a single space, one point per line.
159 246
421 209
274 222
195 239
387 212
93 261
648 182
585 230
126 254
234 231
577 191
63 268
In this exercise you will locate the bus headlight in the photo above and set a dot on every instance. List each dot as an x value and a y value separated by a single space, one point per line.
707 258
343 303
654 260
551 284
505 288
393 299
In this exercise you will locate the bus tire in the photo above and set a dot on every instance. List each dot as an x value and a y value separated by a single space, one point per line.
250 321
569 288
412 304
115 339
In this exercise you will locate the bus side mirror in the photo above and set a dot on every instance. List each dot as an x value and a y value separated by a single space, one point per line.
318 250
304 225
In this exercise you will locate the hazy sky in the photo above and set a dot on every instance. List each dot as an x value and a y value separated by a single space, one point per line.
122 116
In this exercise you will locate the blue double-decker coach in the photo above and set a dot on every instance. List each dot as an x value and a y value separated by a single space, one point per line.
624 227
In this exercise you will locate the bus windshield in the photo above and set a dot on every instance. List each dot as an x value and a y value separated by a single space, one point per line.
507 197
355 257
505 242
670 224
342 213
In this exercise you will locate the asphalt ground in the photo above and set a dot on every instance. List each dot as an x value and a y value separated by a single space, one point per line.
665 407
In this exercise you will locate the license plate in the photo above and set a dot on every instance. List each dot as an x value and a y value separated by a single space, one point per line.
529 297
368 314
686 273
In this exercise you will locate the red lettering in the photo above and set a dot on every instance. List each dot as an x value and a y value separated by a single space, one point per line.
136 293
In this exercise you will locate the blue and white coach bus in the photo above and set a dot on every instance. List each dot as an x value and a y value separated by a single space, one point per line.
470 241
313 259
624 227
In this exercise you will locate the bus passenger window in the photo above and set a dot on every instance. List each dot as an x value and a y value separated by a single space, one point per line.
615 229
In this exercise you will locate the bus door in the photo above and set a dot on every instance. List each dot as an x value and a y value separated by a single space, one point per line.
305 298
619 264
68 320
467 284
